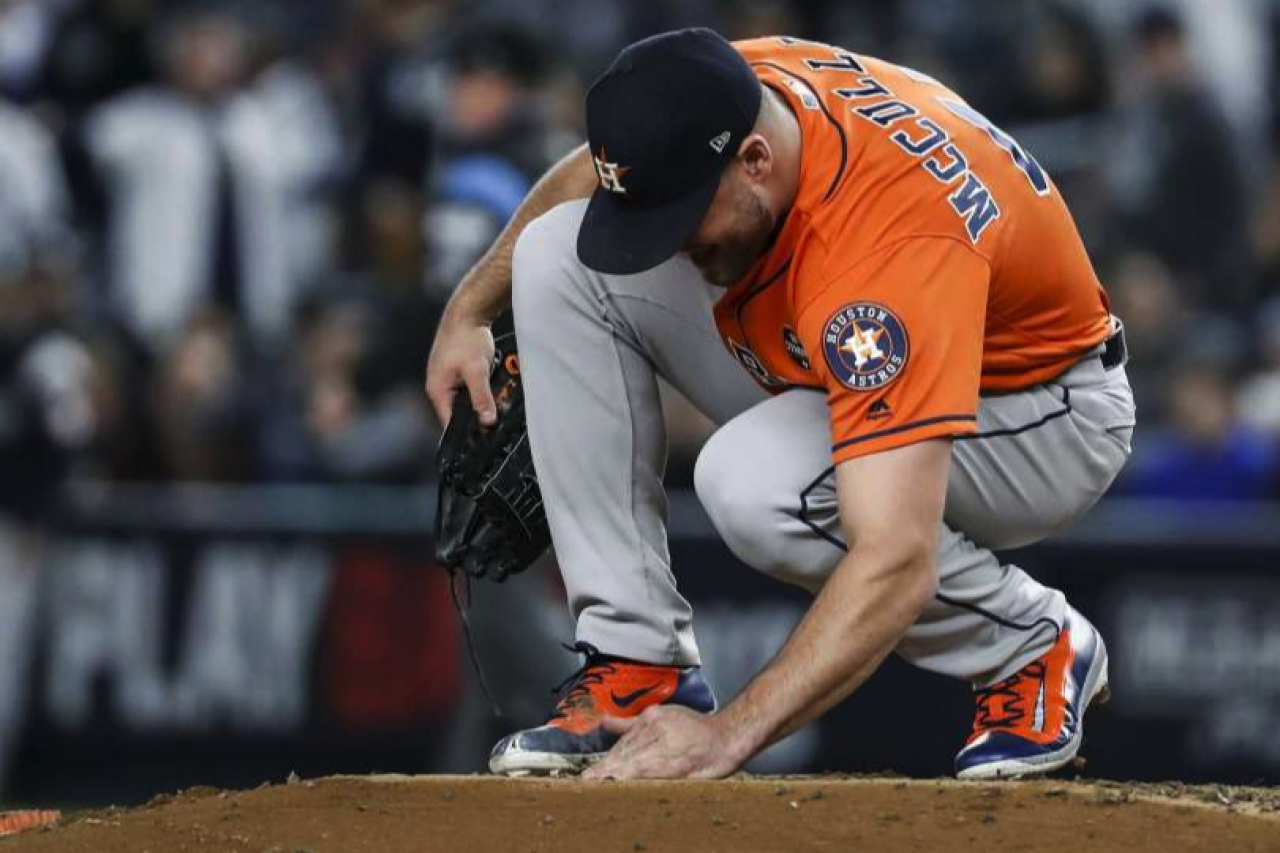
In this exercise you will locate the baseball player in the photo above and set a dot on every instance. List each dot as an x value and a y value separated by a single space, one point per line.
884 302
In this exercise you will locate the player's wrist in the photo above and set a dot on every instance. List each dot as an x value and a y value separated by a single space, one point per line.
742 734
482 296
465 310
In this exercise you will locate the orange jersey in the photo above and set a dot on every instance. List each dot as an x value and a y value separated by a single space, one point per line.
927 258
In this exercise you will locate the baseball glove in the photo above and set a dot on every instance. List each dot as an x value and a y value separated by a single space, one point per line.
490 522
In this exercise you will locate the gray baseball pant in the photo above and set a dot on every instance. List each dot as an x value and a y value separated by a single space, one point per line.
591 349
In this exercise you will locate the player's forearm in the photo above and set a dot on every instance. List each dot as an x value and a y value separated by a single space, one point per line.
485 292
866 606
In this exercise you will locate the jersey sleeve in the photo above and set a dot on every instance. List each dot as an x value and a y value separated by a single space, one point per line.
897 341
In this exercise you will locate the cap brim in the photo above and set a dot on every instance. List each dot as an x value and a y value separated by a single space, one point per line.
624 239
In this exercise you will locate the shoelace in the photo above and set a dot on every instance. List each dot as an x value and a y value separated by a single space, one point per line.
1014 709
593 670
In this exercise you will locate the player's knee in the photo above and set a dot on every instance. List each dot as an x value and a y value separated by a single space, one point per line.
740 503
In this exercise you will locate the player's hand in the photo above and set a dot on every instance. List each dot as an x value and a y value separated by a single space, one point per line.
668 742
461 357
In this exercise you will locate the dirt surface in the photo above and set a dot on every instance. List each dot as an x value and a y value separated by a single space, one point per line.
466 814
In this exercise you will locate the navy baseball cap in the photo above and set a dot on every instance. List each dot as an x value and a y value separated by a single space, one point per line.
663 122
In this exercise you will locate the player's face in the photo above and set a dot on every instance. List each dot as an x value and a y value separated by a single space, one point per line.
733 234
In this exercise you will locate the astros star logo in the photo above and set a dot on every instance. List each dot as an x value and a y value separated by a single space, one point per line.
610 174
862 344
866 346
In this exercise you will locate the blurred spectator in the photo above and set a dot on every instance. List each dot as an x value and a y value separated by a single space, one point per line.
1060 107
197 189
474 197
97 50
348 406
587 34
1260 394
310 159
44 416
1178 184
391 282
333 417
1064 69
33 204
390 94
495 142
1206 453
200 405
26 30
1145 294
492 105
1229 43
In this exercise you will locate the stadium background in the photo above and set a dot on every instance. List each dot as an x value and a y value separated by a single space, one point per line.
226 234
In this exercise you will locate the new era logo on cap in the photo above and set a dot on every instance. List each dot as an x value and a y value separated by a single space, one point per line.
720 142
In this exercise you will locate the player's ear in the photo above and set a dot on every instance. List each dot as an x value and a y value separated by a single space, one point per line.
756 157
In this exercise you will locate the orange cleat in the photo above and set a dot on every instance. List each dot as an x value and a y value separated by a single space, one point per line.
573 738
1033 721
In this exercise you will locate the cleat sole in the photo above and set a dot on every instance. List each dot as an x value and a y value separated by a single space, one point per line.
519 763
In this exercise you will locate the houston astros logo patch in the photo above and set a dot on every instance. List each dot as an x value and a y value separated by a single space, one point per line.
865 345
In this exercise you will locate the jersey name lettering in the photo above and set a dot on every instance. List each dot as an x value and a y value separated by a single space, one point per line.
926 141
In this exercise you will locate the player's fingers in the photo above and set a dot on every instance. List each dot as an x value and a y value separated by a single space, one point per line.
617 758
611 767
476 375
605 768
441 396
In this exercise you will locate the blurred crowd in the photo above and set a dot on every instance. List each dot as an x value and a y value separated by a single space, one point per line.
227 229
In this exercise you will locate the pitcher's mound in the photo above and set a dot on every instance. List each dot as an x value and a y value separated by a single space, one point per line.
472 814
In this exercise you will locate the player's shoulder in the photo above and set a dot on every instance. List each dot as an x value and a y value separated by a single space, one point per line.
759 49
798 57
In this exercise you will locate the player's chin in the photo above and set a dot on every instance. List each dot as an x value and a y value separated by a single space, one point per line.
712 276
722 275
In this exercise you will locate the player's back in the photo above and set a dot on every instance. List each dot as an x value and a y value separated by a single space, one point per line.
890 155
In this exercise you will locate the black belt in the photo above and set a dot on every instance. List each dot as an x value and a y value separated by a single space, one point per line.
1115 352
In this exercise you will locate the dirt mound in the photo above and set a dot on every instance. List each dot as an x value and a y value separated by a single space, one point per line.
469 814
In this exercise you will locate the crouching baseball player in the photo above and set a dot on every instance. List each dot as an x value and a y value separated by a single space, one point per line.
883 301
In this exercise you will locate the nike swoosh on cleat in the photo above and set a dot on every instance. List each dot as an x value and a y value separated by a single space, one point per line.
628 699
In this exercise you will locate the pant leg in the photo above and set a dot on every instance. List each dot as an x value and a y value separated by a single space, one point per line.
591 347
1041 459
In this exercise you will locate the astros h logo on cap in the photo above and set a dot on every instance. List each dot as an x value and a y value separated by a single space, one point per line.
610 174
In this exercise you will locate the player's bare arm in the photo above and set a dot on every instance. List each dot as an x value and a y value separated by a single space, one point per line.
876 593
462 353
